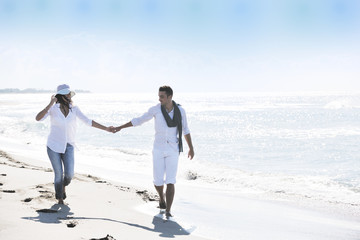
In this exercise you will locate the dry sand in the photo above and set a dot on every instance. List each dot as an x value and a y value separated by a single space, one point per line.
94 208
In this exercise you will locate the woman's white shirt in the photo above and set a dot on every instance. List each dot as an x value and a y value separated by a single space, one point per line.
63 129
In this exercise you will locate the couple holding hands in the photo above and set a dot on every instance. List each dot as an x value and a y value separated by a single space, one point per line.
170 125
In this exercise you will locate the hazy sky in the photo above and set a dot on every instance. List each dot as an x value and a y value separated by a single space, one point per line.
192 45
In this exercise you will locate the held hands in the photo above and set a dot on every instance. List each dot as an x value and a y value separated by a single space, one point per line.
116 129
110 129
113 129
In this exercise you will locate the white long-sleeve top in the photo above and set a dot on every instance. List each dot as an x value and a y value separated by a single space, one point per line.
63 129
165 137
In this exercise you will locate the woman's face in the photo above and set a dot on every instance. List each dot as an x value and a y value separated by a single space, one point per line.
67 98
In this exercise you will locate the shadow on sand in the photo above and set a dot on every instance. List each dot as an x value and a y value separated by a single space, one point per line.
166 229
54 214
58 212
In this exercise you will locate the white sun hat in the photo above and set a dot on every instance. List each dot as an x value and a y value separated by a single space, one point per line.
64 89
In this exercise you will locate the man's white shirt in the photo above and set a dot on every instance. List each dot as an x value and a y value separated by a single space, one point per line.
165 137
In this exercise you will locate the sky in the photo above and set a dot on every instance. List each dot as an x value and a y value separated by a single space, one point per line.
192 45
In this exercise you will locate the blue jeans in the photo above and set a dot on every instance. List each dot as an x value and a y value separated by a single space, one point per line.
62 178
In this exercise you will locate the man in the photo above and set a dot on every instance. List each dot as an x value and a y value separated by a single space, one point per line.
170 120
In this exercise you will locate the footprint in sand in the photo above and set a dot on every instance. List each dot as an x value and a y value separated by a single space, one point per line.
45 193
108 237
72 224
100 181
8 191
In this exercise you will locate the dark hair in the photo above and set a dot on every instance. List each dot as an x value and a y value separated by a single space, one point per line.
61 99
167 89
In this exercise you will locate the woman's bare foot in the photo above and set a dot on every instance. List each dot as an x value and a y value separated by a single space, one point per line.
64 193
168 215
162 205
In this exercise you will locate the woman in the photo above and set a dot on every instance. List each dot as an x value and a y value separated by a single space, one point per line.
60 143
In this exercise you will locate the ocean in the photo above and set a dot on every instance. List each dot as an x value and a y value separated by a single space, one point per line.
298 148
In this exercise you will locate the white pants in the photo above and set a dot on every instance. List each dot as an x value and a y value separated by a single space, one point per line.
165 164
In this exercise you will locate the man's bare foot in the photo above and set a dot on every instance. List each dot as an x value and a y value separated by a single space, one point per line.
61 201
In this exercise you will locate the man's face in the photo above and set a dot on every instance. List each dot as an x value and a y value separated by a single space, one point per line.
163 98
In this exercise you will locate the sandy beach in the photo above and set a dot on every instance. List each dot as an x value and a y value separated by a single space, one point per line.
94 208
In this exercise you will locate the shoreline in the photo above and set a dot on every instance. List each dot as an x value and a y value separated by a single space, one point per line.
95 208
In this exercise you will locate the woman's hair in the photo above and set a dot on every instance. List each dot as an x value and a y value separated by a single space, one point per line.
61 99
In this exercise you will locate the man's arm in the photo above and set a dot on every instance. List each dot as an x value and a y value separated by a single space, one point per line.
191 148
126 125
138 121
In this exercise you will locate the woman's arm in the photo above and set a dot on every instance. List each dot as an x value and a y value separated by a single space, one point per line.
43 112
102 127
